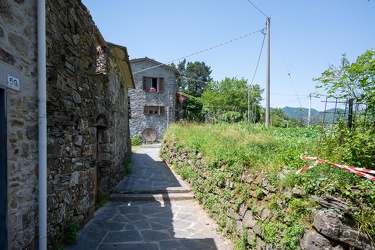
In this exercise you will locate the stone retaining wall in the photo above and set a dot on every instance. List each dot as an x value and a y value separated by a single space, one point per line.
246 219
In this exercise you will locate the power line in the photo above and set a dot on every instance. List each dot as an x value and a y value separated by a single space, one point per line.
256 69
291 80
288 101
315 9
288 94
201 51
260 54
257 8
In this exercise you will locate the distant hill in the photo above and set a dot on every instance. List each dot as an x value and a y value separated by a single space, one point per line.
316 116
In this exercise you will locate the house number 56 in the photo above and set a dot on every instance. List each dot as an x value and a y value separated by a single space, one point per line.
13 83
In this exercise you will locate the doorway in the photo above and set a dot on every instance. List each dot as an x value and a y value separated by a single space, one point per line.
3 171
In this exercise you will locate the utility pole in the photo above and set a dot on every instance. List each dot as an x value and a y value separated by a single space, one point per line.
309 114
268 74
248 104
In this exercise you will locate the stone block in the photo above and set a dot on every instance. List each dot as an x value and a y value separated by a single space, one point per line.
341 228
251 237
314 241
249 220
243 209
19 44
266 213
7 57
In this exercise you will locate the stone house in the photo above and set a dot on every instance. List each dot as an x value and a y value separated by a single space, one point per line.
87 119
153 101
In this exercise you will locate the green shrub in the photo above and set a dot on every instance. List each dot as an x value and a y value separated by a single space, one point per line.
70 233
126 167
135 141
101 201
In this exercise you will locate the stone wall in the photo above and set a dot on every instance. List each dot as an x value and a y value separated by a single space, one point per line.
87 113
246 219
139 98
18 59
87 109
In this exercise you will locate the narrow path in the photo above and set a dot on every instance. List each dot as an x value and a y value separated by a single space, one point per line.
152 208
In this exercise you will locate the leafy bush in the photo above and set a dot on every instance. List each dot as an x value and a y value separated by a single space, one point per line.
70 233
231 117
126 167
135 141
192 107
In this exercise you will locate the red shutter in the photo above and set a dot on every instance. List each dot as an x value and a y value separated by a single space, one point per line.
144 83
160 84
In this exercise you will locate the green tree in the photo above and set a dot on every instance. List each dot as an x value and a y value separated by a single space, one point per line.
227 100
181 67
192 108
280 119
194 77
351 80
352 145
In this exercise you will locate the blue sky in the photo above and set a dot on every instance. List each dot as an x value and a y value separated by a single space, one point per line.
306 36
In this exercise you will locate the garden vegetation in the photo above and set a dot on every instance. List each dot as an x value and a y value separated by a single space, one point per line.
234 144
275 153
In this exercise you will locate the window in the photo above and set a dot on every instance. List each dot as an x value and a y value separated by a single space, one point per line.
154 110
153 84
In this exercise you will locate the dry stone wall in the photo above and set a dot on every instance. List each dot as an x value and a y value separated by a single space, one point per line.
247 218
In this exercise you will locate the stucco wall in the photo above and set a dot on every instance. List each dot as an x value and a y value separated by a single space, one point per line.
140 98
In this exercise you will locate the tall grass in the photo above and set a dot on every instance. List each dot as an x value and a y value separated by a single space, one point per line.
243 147
240 147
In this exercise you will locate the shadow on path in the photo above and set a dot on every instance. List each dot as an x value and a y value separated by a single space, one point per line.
152 208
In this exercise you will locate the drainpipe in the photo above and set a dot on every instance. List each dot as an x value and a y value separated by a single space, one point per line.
42 125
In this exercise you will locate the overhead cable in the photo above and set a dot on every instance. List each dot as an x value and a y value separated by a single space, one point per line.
288 101
199 52
258 9
290 78
312 10
260 54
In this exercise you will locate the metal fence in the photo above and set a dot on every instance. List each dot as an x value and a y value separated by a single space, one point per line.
353 114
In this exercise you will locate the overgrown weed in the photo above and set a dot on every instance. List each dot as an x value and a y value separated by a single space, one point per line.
235 148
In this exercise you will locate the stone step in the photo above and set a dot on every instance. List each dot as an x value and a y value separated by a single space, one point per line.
151 197
176 190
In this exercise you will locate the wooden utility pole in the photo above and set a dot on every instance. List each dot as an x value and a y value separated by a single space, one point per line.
268 74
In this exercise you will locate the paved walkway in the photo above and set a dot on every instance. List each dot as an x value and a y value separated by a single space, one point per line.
152 208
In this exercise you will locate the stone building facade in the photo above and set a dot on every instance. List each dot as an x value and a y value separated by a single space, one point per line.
87 119
153 101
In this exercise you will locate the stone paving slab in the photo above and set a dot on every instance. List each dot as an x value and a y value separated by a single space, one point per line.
152 197
151 209
150 174
151 225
